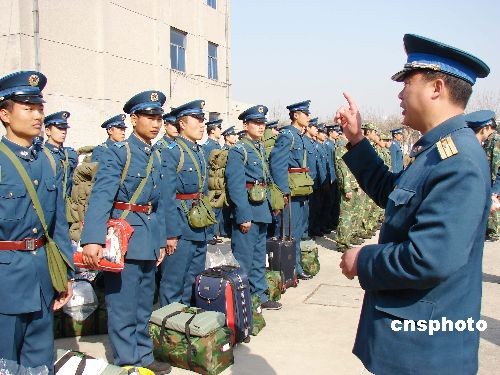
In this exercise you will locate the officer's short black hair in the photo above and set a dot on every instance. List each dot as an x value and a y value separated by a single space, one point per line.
460 90
8 105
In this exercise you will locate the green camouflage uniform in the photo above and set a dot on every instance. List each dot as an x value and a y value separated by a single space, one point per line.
349 218
492 148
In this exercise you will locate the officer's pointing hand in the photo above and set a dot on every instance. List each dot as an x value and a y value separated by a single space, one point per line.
245 227
92 254
349 118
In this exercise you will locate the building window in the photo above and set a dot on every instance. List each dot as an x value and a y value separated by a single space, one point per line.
177 49
212 3
212 61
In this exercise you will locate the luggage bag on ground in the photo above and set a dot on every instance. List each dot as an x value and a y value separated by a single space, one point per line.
309 258
192 339
226 289
281 254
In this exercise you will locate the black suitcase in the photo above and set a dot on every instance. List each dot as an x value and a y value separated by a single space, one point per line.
281 254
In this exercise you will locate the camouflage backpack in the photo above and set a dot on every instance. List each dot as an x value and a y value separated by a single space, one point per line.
216 178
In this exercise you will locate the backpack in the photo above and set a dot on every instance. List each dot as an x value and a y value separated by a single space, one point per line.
216 178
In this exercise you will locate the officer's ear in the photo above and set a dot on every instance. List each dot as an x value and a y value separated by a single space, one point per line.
48 131
109 131
245 126
133 119
5 110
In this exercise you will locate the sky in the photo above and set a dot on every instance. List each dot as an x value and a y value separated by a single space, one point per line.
286 51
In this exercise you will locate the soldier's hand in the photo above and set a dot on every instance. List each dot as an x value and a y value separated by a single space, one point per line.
349 263
276 212
63 297
161 257
171 245
349 118
245 227
92 254
348 196
495 203
285 199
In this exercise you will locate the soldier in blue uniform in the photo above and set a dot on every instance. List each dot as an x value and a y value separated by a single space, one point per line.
288 156
427 264
247 169
323 208
240 134
230 138
129 294
396 150
214 132
115 127
27 295
310 205
185 181
61 158
170 132
331 188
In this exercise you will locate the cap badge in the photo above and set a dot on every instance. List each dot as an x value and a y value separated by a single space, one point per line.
124 117
64 115
202 104
154 96
261 109
33 80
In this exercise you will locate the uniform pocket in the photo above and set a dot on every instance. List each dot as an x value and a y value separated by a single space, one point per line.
10 198
49 202
401 196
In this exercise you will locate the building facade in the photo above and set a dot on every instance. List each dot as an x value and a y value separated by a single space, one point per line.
96 54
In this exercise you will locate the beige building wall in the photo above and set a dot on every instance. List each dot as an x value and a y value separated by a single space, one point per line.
96 54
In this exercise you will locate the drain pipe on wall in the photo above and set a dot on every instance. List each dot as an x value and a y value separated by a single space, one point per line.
36 34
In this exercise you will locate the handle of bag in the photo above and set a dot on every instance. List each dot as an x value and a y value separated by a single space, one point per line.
289 221
191 350
161 339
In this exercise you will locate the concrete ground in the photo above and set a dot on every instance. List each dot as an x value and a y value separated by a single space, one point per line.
314 331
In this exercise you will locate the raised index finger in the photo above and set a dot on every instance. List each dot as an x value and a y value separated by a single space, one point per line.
350 100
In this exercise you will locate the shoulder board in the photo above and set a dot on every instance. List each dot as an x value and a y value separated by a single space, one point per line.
119 144
286 131
446 147
171 145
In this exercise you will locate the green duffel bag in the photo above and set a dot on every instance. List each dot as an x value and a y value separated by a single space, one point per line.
257 318
209 355
301 184
176 315
274 285
309 259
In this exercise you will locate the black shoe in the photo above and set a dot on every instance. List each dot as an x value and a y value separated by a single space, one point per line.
212 242
159 368
217 239
304 276
271 305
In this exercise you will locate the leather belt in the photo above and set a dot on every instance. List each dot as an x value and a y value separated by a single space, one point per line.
297 170
187 197
147 209
251 185
28 244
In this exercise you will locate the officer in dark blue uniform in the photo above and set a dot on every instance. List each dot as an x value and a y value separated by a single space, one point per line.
396 150
247 169
240 134
61 158
185 181
214 132
230 138
322 206
331 188
115 127
27 295
170 132
428 262
129 294
311 204
288 156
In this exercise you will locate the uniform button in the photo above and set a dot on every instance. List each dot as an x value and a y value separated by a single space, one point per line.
34 230
154 187
35 182
33 252
10 194
138 174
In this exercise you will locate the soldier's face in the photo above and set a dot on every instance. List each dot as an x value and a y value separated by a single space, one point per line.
321 136
146 126
55 134
217 132
301 118
399 137
231 139
192 128
255 130
416 97
171 130
312 131
116 134
23 120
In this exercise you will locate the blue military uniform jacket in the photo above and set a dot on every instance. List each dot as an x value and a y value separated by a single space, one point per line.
428 262
396 156
64 155
209 146
24 275
322 162
244 166
148 229
288 152
163 143
312 159
330 147
99 150
184 182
